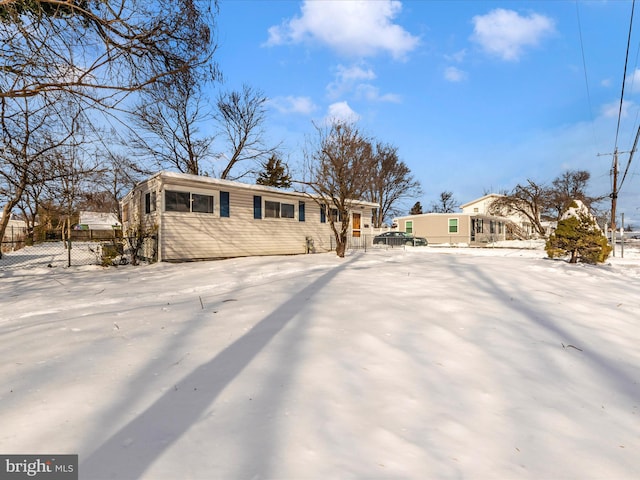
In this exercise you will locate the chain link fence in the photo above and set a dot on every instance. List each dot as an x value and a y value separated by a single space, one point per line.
366 242
55 252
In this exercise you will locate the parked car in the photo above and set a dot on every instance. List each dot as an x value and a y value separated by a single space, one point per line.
399 238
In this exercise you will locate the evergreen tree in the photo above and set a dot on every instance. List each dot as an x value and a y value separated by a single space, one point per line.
578 235
274 174
416 209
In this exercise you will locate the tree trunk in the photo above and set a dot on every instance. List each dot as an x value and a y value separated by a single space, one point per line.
574 256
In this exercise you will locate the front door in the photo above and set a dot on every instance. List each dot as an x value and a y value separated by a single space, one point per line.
356 224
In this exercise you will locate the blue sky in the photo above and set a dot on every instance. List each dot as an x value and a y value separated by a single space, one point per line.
477 95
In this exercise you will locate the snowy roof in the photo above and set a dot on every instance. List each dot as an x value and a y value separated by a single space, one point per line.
99 220
186 177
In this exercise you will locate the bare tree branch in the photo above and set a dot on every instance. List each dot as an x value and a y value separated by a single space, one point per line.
241 116
337 171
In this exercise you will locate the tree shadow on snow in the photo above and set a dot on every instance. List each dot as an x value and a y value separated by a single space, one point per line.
128 453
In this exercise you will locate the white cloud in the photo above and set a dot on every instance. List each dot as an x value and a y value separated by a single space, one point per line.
354 72
346 78
354 79
372 94
505 33
341 111
456 57
454 74
359 27
291 104
612 109
633 81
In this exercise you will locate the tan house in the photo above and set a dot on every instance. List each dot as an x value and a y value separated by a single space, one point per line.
194 217
454 228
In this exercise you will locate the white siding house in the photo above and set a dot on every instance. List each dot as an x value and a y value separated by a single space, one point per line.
481 206
195 217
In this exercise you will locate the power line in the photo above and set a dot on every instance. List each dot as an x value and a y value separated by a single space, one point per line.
624 75
584 68
614 167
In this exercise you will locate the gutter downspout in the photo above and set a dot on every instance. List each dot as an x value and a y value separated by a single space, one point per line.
159 210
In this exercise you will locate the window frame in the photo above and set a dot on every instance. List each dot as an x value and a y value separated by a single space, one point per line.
456 225
257 207
301 211
210 202
273 209
225 204
168 201
150 203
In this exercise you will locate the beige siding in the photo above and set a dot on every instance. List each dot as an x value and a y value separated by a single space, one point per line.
435 227
190 235
201 235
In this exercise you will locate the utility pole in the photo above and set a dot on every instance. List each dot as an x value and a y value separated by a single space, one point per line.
614 197
614 192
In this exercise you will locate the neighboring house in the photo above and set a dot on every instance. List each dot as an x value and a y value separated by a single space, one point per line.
194 217
16 229
454 228
481 206
99 221
96 226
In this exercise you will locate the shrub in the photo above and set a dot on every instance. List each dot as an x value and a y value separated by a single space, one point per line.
578 235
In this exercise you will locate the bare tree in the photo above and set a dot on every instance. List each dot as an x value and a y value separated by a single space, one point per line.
29 206
337 169
571 185
168 116
99 51
241 116
118 176
530 201
445 204
27 143
90 53
73 173
390 182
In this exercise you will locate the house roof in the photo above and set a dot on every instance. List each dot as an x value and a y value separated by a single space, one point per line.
452 214
478 200
188 178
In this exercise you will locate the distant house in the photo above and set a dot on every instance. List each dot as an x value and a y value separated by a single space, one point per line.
99 221
16 229
454 228
516 222
194 217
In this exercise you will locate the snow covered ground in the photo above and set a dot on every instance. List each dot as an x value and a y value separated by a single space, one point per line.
418 363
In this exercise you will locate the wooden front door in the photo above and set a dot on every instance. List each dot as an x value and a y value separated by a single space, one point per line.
356 224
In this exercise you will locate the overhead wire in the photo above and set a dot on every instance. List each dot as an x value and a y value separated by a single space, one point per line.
584 68
635 142
624 75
